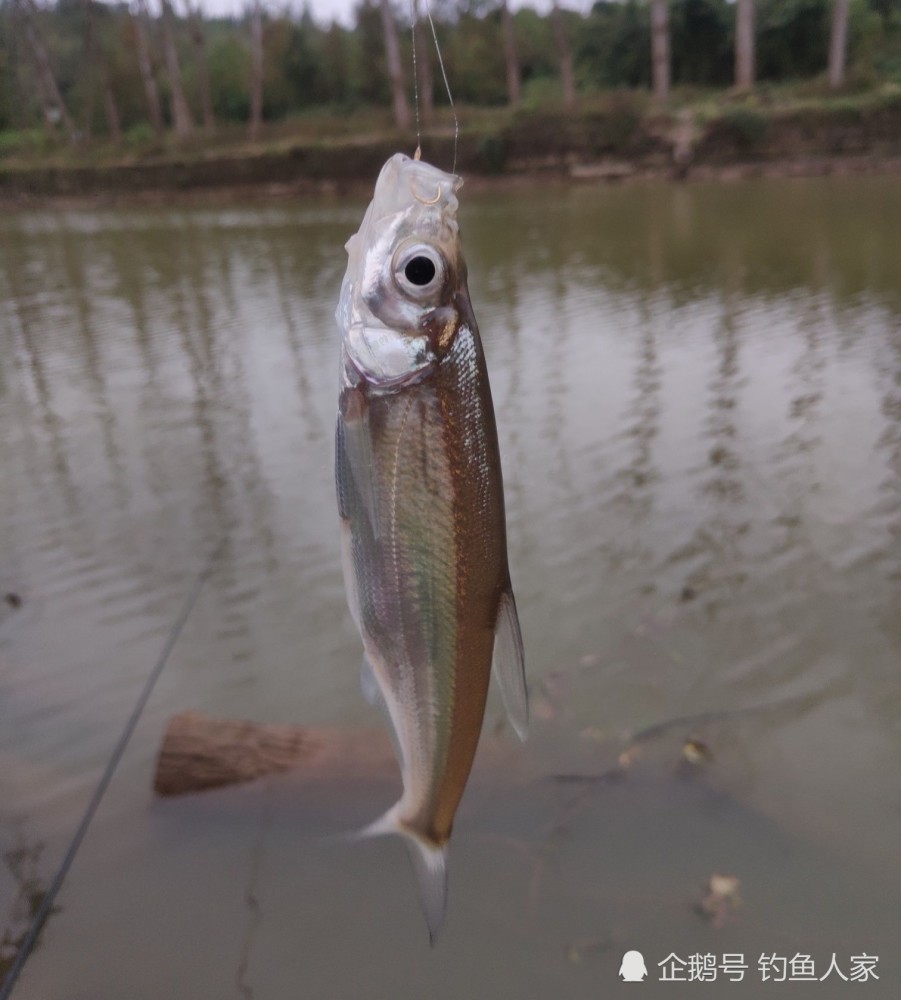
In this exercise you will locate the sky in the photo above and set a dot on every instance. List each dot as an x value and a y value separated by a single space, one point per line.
325 11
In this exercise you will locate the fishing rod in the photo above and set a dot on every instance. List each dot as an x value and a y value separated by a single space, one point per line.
40 918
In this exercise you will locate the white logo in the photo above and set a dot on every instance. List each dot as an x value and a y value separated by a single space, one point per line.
632 969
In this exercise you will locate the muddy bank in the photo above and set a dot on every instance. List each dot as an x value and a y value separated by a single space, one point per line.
613 144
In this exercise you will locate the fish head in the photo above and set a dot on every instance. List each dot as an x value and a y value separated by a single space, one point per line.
404 293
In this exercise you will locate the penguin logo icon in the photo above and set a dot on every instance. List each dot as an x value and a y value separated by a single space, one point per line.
632 969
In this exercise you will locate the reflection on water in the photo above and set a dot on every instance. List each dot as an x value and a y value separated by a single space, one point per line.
26 894
699 403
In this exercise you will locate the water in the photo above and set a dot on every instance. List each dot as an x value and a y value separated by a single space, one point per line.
699 405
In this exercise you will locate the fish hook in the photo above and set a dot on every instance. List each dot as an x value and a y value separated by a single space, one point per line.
428 201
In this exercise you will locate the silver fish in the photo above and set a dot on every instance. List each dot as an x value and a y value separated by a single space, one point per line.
422 507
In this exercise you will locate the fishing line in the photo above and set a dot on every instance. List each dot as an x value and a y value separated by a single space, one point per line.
414 17
450 97
28 943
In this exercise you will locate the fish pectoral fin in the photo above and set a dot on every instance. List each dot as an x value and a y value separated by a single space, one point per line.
368 684
354 473
429 862
508 665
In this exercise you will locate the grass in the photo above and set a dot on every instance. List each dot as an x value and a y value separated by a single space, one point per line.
604 122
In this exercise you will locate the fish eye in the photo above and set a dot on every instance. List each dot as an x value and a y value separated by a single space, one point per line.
420 270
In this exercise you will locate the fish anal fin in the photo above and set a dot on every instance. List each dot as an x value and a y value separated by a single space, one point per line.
368 683
508 665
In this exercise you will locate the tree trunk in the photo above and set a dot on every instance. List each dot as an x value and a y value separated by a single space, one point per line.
838 43
90 67
110 109
422 39
199 752
660 50
514 80
565 52
55 110
198 39
181 113
744 44
141 18
96 62
395 71
256 70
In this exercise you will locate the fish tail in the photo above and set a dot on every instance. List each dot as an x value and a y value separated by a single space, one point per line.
429 862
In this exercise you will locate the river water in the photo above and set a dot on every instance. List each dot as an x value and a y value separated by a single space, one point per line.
698 392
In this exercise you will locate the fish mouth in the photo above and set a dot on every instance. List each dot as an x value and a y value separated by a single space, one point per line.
427 201
404 183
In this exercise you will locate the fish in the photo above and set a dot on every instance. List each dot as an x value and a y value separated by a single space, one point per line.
421 505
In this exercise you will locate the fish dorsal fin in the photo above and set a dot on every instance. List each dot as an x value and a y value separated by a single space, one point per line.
508 665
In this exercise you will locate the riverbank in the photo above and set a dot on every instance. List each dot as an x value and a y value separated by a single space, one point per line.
612 138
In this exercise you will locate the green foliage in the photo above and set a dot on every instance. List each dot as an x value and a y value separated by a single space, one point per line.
890 67
26 142
792 38
475 61
7 73
367 72
310 66
702 42
534 45
140 136
614 46
886 9
746 126
875 41
229 66
539 92
617 126
334 60
492 154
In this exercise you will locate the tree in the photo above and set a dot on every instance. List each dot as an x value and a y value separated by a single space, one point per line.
182 119
110 108
514 80
744 44
613 45
198 40
564 51
660 49
91 66
335 63
702 41
54 106
95 72
791 38
395 70
838 43
256 69
140 19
